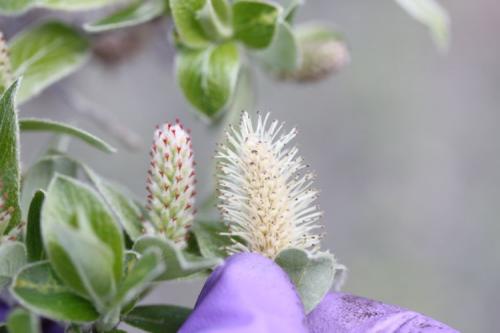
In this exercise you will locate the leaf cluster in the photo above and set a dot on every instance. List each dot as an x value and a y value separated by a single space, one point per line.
215 40
73 250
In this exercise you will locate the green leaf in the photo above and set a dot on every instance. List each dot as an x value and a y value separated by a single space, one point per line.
79 251
149 267
73 328
22 321
313 276
34 243
9 158
19 6
208 77
15 6
77 4
316 32
431 14
131 258
34 124
121 202
198 22
12 259
255 22
38 177
178 263
136 13
244 99
215 19
158 318
291 7
45 54
210 241
82 240
283 54
187 24
38 288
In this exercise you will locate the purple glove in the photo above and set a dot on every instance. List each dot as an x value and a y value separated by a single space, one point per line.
49 326
342 313
247 294
4 311
250 293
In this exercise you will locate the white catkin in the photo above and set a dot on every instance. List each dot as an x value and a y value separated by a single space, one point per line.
266 198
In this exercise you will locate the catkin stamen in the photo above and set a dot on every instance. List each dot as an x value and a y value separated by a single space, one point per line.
264 198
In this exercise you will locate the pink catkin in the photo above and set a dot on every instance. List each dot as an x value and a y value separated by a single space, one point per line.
171 183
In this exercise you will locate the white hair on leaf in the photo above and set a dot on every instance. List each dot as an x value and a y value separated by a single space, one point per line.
5 214
266 201
5 211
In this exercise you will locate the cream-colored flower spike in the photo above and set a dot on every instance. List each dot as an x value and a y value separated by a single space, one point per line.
266 201
171 184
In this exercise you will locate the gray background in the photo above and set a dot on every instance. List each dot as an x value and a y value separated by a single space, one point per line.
404 141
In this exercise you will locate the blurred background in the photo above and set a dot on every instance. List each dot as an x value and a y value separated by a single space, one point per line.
404 141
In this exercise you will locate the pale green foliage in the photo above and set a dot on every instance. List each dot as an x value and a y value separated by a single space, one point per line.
22 321
15 6
136 13
38 288
121 202
9 159
180 264
199 24
209 58
190 30
19 6
207 68
255 22
82 240
39 175
45 125
290 8
157 318
313 275
44 54
208 77
215 19
12 258
433 15
147 268
85 247
211 239
283 54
